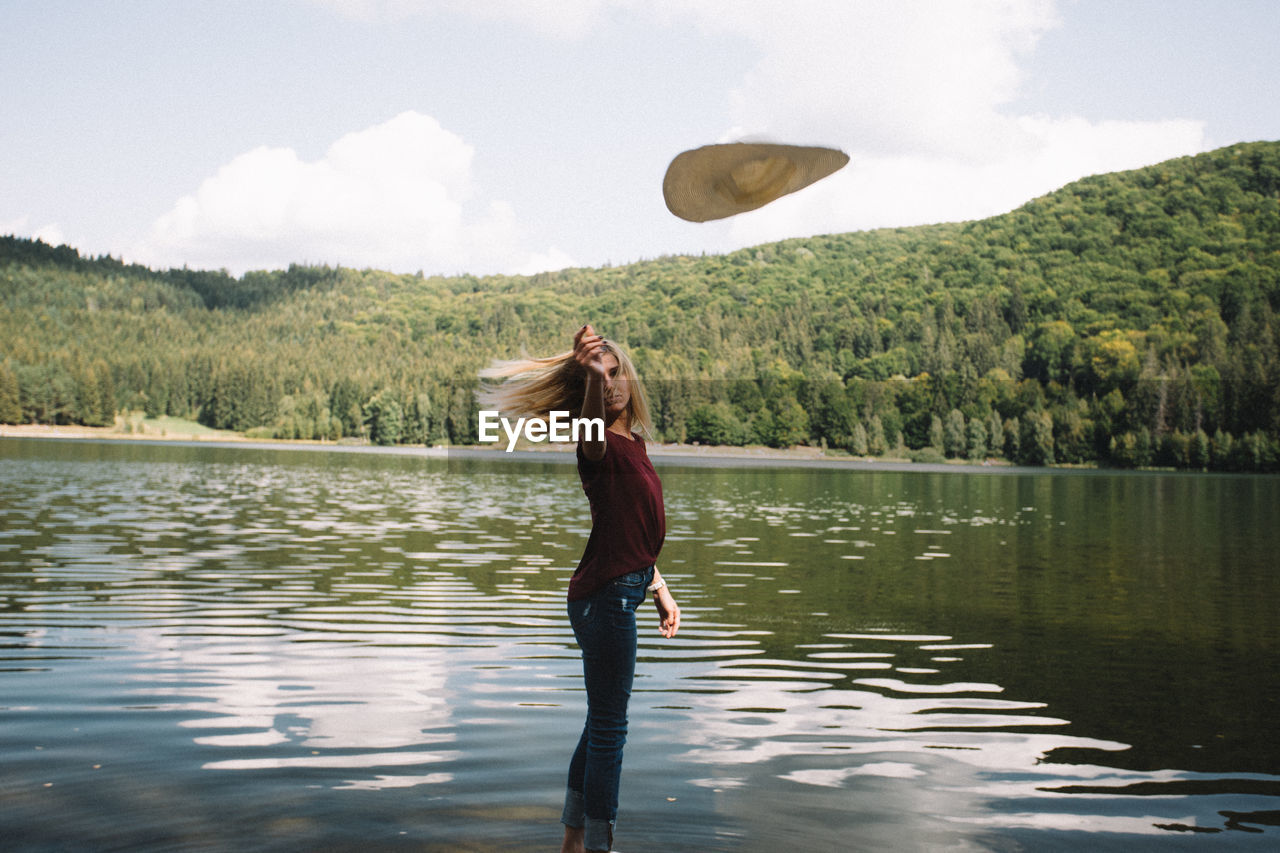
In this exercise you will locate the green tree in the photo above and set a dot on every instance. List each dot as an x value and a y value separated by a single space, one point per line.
1114 359
344 404
763 428
1140 299
385 418
417 420
995 433
10 397
106 413
1144 449
313 411
877 445
1036 445
791 424
715 424
977 439
1123 451
287 426
1050 351
859 444
953 434
1071 434
834 417
1132 448
1198 454
1013 439
936 435
1222 451
1174 450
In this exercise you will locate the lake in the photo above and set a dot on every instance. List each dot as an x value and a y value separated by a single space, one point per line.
216 647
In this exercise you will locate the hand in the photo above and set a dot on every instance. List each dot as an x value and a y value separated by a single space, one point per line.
586 350
668 611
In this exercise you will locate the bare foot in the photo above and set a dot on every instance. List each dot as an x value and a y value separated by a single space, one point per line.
572 840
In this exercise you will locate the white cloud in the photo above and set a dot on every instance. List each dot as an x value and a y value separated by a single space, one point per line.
918 92
50 232
880 191
394 196
885 76
566 19
550 260
916 89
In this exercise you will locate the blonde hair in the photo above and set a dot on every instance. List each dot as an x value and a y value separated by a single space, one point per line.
535 387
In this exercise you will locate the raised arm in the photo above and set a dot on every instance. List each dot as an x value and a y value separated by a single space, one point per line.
586 351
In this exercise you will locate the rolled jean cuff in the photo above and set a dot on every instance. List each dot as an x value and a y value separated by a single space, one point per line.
574 813
598 834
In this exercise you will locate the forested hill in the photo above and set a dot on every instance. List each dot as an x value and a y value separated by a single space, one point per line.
1127 318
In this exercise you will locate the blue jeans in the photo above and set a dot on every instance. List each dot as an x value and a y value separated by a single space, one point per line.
605 627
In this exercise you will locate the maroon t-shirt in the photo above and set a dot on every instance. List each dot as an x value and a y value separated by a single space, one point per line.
628 522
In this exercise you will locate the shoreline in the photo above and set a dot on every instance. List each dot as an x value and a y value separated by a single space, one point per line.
114 433
670 455
692 454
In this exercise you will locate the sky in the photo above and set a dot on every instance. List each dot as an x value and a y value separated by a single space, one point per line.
519 136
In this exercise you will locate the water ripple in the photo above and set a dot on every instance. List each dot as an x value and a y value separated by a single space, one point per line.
233 628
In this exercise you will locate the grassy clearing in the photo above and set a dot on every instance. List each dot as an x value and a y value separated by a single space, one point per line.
135 423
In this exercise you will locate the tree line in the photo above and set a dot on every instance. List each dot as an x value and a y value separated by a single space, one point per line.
1127 319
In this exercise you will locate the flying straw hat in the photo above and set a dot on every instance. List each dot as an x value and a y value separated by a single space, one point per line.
716 181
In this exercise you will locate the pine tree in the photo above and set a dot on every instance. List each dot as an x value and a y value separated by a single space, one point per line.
10 397
977 439
1013 440
1198 455
106 413
858 446
995 434
877 445
935 433
953 437
1037 439
385 418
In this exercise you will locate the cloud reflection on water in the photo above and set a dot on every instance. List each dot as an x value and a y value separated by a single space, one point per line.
378 629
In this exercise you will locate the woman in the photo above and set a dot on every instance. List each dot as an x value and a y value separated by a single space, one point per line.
628 525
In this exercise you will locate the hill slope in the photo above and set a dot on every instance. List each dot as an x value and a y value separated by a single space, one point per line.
1128 318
